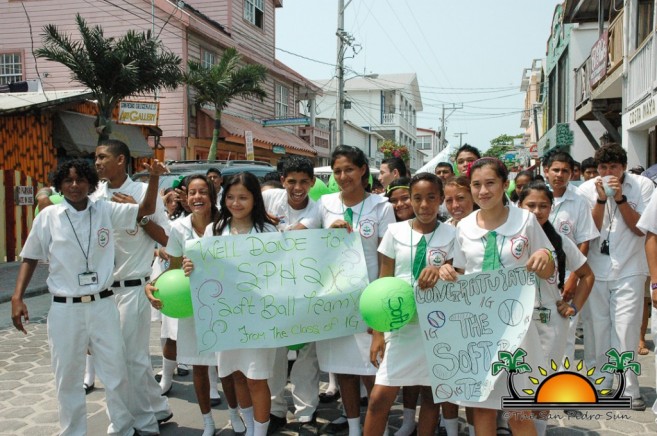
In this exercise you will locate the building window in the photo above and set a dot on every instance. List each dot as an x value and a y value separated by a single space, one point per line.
281 101
424 142
644 25
254 12
208 58
11 68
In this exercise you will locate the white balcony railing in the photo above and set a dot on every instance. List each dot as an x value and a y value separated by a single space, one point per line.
397 120
641 73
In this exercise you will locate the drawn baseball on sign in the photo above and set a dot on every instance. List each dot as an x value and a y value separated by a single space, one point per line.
510 312
436 319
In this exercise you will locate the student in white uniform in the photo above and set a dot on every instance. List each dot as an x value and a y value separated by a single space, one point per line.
466 155
215 177
354 209
294 210
76 237
537 198
201 199
243 212
391 168
133 257
518 240
618 261
412 250
648 224
570 217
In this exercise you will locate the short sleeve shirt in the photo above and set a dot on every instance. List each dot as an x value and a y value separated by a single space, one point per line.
276 203
571 216
63 236
181 231
648 221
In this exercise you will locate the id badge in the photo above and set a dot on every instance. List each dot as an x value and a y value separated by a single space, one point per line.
88 278
542 314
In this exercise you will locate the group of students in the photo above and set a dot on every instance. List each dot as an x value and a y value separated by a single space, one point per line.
402 236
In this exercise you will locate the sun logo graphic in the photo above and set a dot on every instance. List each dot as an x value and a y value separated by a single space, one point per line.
566 389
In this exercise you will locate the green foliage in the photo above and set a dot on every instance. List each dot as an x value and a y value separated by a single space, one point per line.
512 363
112 68
220 83
620 362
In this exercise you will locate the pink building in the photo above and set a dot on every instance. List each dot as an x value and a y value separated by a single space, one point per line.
194 32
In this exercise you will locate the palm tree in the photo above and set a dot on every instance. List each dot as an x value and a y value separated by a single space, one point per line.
220 83
619 363
513 364
112 69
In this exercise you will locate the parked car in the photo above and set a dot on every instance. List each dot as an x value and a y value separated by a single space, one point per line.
228 168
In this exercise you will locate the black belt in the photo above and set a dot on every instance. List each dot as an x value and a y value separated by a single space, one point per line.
130 283
85 298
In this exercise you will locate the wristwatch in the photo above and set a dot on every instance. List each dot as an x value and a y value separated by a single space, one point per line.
145 220
622 200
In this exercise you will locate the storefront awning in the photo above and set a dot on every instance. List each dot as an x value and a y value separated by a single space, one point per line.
76 133
234 128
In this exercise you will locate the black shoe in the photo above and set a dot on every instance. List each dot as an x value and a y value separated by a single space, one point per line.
158 377
215 401
638 404
325 397
335 428
90 388
182 372
165 419
364 401
276 423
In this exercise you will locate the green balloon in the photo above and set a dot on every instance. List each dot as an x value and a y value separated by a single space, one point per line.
296 347
174 290
332 184
54 199
511 188
318 189
387 304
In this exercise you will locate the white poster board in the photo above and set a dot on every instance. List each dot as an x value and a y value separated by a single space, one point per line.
266 290
465 323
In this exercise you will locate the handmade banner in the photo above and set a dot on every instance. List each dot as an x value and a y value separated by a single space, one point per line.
266 290
465 323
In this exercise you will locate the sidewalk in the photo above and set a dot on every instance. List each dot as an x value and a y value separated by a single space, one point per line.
9 274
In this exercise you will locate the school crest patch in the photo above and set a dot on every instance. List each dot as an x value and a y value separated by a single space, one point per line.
437 257
366 228
103 236
518 246
565 227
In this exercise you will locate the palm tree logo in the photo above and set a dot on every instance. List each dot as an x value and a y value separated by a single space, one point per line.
565 389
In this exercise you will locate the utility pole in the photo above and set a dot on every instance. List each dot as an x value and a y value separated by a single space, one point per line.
344 40
443 128
460 135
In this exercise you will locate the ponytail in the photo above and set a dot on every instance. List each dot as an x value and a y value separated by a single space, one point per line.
555 239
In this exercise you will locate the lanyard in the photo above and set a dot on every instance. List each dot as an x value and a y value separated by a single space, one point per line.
611 217
362 205
555 212
86 255
428 243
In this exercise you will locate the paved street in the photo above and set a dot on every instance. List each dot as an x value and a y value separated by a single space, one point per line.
28 405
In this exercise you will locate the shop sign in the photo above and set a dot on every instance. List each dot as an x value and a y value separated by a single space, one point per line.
599 54
139 113
24 195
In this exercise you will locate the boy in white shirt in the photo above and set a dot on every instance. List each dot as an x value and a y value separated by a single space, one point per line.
294 210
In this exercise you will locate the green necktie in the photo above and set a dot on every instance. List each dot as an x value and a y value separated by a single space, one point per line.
349 216
491 256
420 260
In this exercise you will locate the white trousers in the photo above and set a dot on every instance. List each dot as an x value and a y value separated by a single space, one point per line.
145 398
614 311
304 377
72 329
569 351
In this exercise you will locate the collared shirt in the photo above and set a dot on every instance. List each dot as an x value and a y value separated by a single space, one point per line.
571 216
134 248
55 239
648 221
276 203
626 254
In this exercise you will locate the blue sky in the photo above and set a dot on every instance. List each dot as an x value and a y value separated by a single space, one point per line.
463 51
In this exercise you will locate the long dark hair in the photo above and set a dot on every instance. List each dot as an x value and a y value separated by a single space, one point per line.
258 214
212 192
548 228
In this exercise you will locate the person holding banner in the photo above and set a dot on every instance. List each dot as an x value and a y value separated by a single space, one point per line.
537 198
294 210
354 209
412 250
243 212
201 199
500 235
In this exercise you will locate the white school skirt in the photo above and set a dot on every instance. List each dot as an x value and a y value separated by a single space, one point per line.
404 362
254 363
346 355
187 347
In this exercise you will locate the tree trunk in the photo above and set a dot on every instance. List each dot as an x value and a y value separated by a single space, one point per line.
212 154
621 384
510 387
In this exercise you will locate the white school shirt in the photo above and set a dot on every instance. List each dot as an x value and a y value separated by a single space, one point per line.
519 237
396 244
627 256
276 204
574 261
571 216
648 221
53 238
371 219
134 249
181 231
